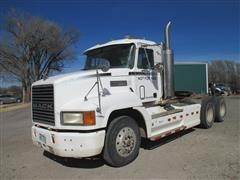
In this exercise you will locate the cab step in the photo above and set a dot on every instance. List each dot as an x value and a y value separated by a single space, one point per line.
167 133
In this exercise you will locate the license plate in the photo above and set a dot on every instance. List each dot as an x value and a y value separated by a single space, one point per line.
42 138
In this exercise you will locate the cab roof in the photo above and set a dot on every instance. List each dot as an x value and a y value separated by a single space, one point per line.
122 41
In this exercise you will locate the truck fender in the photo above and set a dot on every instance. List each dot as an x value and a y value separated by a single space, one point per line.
124 100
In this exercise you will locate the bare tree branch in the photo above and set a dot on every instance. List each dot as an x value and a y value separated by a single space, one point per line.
31 44
224 71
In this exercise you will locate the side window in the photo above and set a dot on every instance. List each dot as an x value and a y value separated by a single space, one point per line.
145 58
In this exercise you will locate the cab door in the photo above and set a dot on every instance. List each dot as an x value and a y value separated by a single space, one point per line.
146 78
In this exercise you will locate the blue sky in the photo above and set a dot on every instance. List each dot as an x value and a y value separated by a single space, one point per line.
202 30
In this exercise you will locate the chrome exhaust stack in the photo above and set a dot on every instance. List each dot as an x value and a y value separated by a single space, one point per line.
167 38
168 62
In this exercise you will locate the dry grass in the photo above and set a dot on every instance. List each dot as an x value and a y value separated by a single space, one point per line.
14 106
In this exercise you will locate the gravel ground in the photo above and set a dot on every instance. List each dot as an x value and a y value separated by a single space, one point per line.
195 154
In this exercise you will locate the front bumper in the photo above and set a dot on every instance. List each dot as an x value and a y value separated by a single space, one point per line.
69 144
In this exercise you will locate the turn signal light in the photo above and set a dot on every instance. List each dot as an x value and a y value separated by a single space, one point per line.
89 118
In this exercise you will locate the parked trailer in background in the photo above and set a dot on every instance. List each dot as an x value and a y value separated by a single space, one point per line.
125 92
191 76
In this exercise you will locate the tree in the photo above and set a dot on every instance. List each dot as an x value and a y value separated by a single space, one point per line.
32 47
227 72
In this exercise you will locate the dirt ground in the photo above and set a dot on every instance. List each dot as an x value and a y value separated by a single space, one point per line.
196 154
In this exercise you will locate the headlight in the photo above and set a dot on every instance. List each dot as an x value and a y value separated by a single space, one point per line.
78 118
69 118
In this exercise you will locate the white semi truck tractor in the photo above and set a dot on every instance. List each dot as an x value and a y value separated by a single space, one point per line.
125 93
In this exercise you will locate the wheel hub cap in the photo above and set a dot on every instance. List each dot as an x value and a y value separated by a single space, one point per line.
125 142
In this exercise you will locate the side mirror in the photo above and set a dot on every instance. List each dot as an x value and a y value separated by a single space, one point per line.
104 65
158 67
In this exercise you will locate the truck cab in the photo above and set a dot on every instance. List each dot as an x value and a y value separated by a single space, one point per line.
124 92
133 60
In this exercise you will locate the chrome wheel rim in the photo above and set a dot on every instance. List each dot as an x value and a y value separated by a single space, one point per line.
125 141
209 114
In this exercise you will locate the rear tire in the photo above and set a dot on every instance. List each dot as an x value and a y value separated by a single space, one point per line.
122 141
221 109
207 114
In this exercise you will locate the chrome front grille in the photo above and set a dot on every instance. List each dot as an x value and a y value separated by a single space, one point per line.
43 104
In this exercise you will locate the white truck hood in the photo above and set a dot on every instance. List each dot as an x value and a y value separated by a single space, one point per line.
64 77
79 75
71 89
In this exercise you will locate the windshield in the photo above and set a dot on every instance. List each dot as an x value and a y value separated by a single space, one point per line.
119 56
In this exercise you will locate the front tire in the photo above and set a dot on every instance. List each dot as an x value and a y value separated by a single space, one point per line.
207 114
122 141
